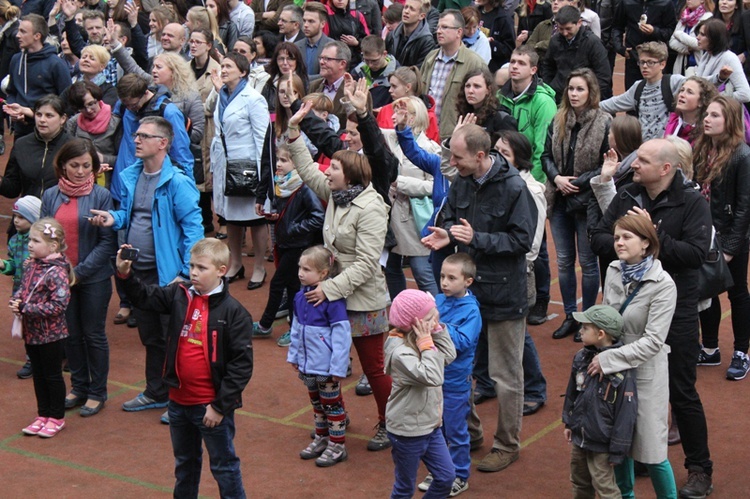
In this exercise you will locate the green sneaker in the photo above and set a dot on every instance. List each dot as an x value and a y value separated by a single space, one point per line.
259 332
285 339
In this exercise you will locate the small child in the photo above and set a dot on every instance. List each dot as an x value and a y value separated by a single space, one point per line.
599 413
298 216
321 338
416 353
209 362
40 302
459 311
25 212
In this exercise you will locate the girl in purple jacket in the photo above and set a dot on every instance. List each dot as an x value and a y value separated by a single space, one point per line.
319 351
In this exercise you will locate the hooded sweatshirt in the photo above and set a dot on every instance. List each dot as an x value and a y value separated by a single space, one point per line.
463 321
34 75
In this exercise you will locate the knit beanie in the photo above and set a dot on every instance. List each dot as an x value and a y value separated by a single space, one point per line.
29 207
409 306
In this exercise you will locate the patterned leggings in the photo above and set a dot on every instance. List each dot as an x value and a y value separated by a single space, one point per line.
328 406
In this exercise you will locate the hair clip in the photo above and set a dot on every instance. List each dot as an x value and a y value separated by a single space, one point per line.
50 231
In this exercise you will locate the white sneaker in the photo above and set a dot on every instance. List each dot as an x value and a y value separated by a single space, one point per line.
459 485
425 483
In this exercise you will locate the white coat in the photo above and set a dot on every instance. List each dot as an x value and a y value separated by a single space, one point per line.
647 320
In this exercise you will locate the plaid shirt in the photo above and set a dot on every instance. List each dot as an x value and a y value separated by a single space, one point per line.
443 67
110 72
18 252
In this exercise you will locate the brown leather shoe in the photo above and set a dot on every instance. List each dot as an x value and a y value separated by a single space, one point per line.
497 460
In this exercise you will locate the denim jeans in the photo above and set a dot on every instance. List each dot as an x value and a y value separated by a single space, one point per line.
87 347
187 430
456 409
407 452
534 383
420 268
541 272
569 233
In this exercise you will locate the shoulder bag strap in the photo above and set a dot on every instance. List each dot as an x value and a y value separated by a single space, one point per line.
630 297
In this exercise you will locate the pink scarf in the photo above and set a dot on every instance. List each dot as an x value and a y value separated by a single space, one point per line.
100 122
76 190
690 18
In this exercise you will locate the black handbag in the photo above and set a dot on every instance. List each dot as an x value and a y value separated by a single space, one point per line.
714 277
198 174
241 174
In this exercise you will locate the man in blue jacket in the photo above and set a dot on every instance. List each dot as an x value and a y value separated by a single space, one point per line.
155 194
137 101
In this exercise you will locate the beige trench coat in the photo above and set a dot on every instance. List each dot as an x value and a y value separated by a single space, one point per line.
647 320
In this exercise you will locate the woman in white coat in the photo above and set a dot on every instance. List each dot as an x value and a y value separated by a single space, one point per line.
241 117
646 296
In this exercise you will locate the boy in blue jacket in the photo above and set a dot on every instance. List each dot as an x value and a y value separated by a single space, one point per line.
459 312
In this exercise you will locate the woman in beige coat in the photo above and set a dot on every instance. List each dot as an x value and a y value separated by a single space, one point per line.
354 230
646 296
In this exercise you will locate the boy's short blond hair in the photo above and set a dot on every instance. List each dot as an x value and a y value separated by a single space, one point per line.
463 260
217 251
321 102
657 50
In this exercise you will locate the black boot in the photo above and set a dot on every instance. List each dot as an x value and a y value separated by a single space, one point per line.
538 313
568 327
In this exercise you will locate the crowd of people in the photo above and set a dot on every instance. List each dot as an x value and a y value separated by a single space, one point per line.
348 140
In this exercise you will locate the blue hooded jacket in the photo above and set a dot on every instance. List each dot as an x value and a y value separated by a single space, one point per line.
464 322
36 74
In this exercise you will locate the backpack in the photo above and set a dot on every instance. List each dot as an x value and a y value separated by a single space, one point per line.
666 93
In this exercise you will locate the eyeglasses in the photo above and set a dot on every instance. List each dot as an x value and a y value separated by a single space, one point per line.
648 64
144 136
325 59
285 59
284 21
443 28
90 105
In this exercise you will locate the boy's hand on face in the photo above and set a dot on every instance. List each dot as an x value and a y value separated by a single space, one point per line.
212 417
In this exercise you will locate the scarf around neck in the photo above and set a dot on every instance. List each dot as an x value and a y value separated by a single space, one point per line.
471 40
345 197
635 272
690 18
225 98
285 185
100 122
76 190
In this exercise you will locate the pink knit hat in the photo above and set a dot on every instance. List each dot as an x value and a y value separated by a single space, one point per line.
409 306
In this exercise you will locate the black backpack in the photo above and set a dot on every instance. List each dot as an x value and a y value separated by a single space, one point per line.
666 93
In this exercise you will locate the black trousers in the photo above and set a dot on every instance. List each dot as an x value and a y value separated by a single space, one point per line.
152 328
285 277
49 385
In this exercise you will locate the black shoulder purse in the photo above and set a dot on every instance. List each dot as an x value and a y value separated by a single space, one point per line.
241 174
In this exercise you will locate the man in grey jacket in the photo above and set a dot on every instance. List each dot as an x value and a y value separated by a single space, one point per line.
412 40
314 20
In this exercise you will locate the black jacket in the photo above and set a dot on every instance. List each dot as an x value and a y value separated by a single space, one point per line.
730 202
342 22
529 22
30 169
229 334
601 414
413 51
683 221
659 13
503 42
585 51
503 215
301 221
498 121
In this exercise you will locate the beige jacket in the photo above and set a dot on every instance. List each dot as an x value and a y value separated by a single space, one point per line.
205 86
647 320
355 234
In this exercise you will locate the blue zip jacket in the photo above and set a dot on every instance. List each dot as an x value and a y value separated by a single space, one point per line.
429 163
179 151
463 321
176 217
321 336
36 74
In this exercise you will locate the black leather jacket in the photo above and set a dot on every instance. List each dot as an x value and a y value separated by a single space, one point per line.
301 223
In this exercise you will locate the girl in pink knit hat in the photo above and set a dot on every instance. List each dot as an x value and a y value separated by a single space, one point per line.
416 352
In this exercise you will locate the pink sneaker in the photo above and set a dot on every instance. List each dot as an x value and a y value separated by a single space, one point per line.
35 427
52 428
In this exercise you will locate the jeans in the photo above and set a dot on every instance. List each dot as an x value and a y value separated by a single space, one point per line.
87 347
534 383
152 328
49 384
456 409
739 300
420 268
662 479
187 431
569 233
541 272
286 278
407 452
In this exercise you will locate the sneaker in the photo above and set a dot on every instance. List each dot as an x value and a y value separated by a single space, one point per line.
334 453
259 332
315 449
35 427
537 314
283 307
363 388
698 484
380 441
709 359
164 419
738 367
52 428
459 485
425 483
285 340
141 403
25 372
497 460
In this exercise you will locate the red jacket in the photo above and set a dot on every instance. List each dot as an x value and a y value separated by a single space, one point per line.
385 118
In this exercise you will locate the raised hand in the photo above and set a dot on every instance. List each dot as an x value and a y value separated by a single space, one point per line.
216 79
468 119
358 98
297 117
131 9
400 115
609 166
68 8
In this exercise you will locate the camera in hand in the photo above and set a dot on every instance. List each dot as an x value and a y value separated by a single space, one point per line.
130 254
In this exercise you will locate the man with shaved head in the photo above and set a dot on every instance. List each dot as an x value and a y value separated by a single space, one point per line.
682 219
